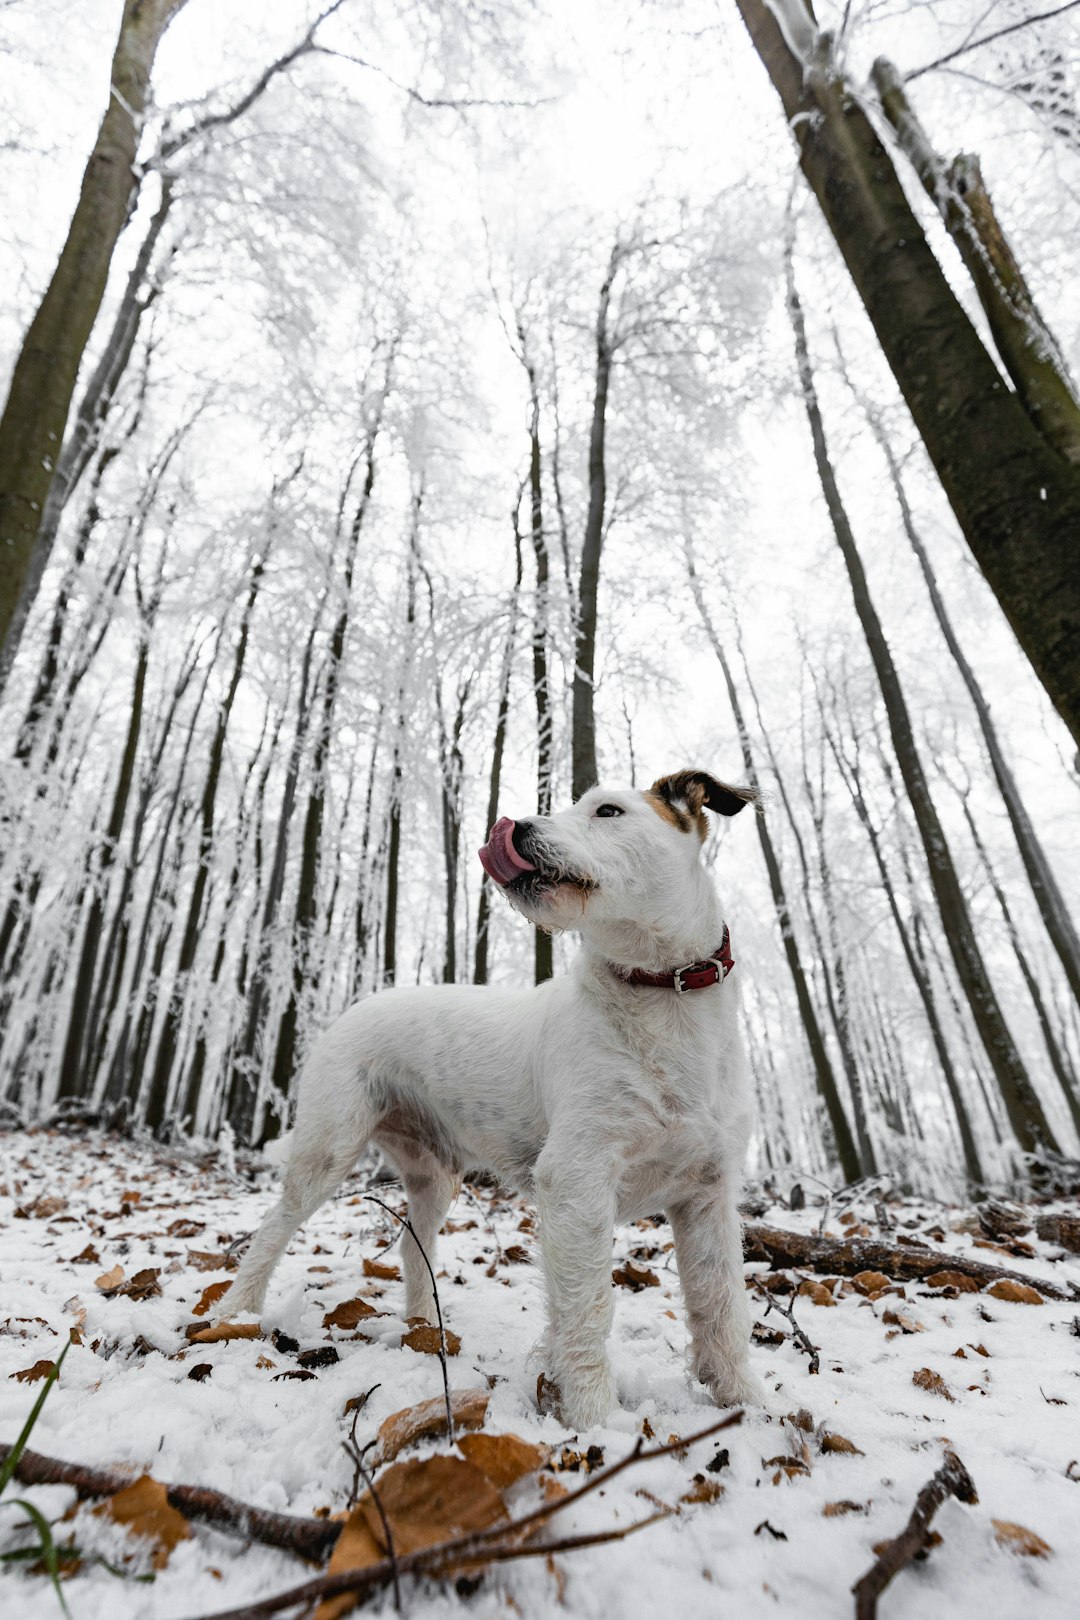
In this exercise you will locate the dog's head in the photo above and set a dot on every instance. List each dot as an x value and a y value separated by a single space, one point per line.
616 855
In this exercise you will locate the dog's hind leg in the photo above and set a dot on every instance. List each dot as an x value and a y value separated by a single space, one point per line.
312 1175
430 1187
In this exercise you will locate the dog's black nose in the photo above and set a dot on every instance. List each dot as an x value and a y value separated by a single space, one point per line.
520 838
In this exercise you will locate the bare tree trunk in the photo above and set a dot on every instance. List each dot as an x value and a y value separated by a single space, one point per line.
1025 1111
1059 1062
844 1142
583 742
911 944
483 911
1016 498
1048 897
43 381
393 852
158 1092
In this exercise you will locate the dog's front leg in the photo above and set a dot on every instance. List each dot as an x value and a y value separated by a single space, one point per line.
576 1202
708 1248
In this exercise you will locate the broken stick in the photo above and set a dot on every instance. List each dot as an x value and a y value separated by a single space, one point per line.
951 1479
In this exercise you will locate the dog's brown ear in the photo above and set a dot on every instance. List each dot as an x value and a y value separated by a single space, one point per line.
697 790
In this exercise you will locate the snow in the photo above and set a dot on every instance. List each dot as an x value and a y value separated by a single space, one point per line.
278 1444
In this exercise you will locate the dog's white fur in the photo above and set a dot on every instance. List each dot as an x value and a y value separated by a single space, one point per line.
603 1101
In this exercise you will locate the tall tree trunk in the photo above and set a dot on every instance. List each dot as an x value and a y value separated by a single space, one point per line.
844 1142
1048 897
911 944
583 741
158 1092
43 380
833 991
483 910
393 840
1016 499
541 630
1059 1062
1021 1101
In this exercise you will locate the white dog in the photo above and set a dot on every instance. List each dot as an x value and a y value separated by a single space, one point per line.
615 1091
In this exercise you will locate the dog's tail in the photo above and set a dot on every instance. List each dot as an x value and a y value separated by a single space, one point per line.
277 1152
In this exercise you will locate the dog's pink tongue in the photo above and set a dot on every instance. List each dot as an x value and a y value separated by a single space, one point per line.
499 858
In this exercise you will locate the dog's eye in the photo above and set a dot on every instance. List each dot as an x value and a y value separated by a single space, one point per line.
610 810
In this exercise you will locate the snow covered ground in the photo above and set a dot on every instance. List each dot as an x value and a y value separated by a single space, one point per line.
74 1207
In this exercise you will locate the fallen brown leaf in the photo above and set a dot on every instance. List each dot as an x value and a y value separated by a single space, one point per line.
31 1375
427 1340
1016 1292
210 1296
831 1442
870 1282
503 1458
901 1320
635 1277
383 1270
953 1279
404 1428
835 1510
110 1279
1015 1538
348 1313
816 1292
702 1490
932 1382
144 1509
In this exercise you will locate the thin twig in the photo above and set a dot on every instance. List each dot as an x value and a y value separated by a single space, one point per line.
407 1224
986 39
391 1554
951 1479
799 1334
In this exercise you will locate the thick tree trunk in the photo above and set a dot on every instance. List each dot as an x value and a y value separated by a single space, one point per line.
1048 897
583 740
1021 1101
43 381
844 1142
1016 499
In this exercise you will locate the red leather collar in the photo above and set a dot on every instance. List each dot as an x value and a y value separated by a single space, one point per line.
695 976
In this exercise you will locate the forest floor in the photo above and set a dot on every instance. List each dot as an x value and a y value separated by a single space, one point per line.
779 1515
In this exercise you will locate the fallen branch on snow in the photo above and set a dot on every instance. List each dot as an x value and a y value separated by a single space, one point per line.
846 1257
499 1544
951 1479
308 1538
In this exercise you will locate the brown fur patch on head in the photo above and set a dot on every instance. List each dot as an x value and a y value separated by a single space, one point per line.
689 793
671 812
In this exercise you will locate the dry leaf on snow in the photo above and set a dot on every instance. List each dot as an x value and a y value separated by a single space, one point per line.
30 1375
932 1382
1018 1293
503 1458
1015 1538
210 1296
635 1277
382 1270
702 1490
348 1313
870 1282
413 1423
816 1292
110 1279
426 1339
954 1279
144 1509
831 1442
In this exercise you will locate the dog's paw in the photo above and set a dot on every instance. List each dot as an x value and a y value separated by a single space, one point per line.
736 1387
586 1399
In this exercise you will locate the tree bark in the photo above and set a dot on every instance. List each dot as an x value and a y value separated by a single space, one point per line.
483 910
1016 499
393 852
1025 1111
583 742
43 380
844 1142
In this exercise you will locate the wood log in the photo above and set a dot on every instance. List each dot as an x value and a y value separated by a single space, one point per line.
846 1257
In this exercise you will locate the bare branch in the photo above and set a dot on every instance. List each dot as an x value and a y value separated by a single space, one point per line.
987 39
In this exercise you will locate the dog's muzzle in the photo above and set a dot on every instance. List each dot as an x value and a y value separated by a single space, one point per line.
499 858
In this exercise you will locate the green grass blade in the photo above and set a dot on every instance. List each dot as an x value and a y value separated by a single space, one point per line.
47 1547
12 1460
